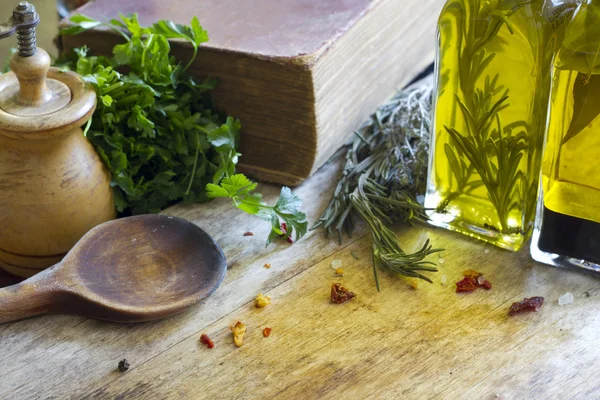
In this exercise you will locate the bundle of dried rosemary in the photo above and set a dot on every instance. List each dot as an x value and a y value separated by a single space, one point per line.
385 172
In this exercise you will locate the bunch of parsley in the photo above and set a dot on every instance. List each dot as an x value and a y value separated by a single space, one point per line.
156 131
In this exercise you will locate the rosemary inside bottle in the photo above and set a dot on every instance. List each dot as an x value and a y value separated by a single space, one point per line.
491 108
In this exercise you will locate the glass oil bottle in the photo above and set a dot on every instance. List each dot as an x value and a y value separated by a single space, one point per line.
567 228
492 89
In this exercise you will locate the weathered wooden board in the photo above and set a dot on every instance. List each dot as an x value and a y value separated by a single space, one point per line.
400 343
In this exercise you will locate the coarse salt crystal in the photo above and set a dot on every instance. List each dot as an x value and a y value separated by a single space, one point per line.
444 279
441 260
335 264
565 299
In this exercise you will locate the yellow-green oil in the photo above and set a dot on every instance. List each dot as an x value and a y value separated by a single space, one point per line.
491 101
571 168
568 221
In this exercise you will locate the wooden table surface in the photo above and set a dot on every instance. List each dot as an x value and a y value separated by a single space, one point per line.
401 343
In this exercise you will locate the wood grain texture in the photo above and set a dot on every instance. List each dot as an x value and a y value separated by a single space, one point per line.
33 95
61 123
400 343
134 269
53 185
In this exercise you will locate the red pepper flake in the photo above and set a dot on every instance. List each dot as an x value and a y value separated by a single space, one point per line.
267 332
248 234
467 284
472 274
472 280
484 283
528 304
340 294
284 230
206 340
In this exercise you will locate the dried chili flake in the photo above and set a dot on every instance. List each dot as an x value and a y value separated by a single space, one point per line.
340 294
267 332
413 283
528 304
267 265
339 271
123 365
284 230
467 284
484 283
472 280
472 274
248 234
238 330
262 301
204 339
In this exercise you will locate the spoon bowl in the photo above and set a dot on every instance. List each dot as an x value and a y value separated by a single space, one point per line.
129 270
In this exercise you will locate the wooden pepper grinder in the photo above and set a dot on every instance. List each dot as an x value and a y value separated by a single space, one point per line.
53 186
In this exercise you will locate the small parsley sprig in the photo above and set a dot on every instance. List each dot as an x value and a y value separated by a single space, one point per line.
285 216
157 132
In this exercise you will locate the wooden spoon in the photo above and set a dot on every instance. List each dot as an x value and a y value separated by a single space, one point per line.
128 270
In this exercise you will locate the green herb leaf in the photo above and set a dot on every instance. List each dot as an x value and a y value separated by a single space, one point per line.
385 170
154 131
586 106
132 25
225 137
252 204
580 50
172 30
288 202
200 35
215 191
235 185
81 23
276 231
286 211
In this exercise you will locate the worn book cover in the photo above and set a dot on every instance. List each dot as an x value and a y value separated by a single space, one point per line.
300 74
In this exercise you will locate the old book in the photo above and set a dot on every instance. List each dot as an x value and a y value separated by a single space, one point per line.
300 74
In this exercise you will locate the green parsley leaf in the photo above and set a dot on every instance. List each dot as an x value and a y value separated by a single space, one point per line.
156 132
286 210
234 186
214 191
200 35
81 24
225 137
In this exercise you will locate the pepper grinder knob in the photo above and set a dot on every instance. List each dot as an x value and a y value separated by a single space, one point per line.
30 65
31 73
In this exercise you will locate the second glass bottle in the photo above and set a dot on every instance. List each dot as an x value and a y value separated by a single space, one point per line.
492 90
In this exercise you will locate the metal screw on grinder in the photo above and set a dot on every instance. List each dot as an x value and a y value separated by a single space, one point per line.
23 22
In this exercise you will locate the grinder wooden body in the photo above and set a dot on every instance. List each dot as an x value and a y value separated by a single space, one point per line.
53 186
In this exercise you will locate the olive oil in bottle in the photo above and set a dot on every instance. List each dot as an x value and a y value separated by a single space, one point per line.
567 229
492 89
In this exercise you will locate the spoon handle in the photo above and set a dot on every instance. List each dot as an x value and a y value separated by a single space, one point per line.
32 297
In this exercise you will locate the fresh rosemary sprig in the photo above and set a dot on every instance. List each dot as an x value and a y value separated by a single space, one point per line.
385 170
492 150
